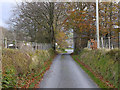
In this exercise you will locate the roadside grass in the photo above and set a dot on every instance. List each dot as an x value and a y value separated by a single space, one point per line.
37 80
20 68
103 63
96 80
61 50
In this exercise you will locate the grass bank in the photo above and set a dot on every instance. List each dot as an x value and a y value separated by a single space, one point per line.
101 66
61 50
22 69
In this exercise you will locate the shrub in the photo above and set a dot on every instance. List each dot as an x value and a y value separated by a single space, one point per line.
114 54
103 62
17 63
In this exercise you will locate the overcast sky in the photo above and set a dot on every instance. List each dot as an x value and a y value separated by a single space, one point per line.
5 11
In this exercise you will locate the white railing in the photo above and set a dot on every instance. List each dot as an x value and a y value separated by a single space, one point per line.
15 44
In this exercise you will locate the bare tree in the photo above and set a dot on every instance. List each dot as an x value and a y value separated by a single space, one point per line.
39 20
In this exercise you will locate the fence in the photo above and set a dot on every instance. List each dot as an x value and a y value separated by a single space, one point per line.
15 44
107 43
43 46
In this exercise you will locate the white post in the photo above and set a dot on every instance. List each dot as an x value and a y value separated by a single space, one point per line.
112 46
5 42
15 44
119 40
102 42
36 47
97 25
109 41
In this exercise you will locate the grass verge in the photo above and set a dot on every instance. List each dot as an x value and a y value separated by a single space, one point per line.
103 64
22 69
96 80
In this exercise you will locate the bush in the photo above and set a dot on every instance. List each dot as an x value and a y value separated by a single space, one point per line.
17 63
16 58
103 62
114 54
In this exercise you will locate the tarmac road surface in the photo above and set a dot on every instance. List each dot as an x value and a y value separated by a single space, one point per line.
66 73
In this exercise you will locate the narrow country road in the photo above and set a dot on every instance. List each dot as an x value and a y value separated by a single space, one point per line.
66 73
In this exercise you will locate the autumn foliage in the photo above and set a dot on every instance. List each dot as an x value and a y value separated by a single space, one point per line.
81 17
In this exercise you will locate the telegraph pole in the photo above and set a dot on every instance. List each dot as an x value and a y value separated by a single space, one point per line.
97 25
119 40
1 40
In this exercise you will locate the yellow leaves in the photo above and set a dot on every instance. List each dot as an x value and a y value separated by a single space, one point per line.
61 37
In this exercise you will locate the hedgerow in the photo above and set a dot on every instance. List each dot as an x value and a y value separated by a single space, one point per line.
19 68
103 63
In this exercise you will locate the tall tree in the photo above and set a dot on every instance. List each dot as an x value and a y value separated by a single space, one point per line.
38 20
80 19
